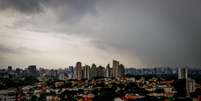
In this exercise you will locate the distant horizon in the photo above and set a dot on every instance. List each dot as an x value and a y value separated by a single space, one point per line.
83 64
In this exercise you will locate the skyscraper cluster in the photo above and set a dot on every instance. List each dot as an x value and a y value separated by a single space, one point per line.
90 72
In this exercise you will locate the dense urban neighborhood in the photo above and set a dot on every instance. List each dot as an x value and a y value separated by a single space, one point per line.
98 83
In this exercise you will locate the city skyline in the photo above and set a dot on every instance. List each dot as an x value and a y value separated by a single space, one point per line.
137 33
111 63
97 83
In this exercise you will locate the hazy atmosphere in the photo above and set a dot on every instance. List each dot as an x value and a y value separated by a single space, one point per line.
59 33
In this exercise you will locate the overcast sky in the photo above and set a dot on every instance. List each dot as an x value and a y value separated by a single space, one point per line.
58 33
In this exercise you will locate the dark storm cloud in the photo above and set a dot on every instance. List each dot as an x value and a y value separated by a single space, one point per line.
24 6
177 39
157 31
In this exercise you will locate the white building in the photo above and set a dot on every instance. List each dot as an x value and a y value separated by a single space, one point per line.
182 73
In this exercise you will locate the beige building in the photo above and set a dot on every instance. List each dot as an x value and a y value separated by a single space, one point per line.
115 69
78 69
86 72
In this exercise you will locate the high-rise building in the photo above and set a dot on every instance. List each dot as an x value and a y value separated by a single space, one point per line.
182 73
71 69
121 70
189 85
78 69
100 71
93 71
53 73
61 76
108 71
18 71
9 68
32 70
86 72
115 69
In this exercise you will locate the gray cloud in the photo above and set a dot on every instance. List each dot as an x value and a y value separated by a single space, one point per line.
72 8
158 32
55 15
6 49
62 8
17 50
24 6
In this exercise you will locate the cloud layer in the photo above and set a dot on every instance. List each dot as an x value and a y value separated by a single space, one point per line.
135 32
